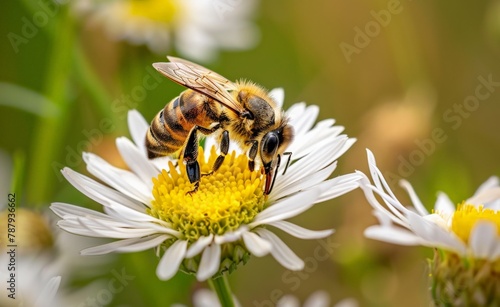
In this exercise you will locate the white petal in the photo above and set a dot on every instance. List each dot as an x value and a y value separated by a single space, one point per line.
304 168
438 220
127 245
126 213
281 252
494 205
417 203
256 245
47 295
210 262
288 300
321 154
391 234
347 302
296 110
198 246
380 182
318 299
383 219
278 94
209 143
492 182
231 236
485 197
444 204
103 229
99 192
338 186
300 232
301 185
205 298
303 121
124 181
483 240
287 208
434 235
138 127
136 161
304 144
495 253
170 262
394 215
66 210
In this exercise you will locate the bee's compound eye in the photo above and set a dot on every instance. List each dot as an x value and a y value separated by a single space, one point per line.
270 143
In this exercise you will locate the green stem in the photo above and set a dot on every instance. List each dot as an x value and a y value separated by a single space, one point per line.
87 77
221 286
49 130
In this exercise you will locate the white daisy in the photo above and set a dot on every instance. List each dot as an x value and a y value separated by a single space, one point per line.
39 280
197 28
207 298
227 219
47 262
33 283
464 270
468 230
34 263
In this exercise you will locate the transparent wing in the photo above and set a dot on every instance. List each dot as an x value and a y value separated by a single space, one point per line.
200 79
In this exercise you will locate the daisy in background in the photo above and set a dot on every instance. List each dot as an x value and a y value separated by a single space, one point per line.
34 283
39 282
197 29
466 267
42 261
207 298
47 264
227 220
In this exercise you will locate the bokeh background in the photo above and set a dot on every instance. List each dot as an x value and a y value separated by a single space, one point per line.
404 77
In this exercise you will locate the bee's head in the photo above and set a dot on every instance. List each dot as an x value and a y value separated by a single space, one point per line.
272 145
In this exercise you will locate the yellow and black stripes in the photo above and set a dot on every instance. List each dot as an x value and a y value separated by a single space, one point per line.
171 126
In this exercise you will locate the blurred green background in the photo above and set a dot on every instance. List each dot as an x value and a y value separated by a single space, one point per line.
406 87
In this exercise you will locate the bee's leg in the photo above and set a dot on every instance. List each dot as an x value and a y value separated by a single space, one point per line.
278 157
190 157
191 154
252 153
224 149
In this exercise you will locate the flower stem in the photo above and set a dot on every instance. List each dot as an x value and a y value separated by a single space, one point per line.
49 131
221 286
89 80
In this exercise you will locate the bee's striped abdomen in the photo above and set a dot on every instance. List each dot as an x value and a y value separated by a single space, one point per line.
172 125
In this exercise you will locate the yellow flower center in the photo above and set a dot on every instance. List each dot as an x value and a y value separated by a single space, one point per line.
157 10
466 216
226 199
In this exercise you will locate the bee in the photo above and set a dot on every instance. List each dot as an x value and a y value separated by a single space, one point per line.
242 112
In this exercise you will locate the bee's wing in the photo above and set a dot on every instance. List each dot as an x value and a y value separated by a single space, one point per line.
200 79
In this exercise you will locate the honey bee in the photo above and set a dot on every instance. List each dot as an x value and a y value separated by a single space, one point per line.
242 112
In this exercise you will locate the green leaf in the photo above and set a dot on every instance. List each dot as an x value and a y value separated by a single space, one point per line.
21 98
